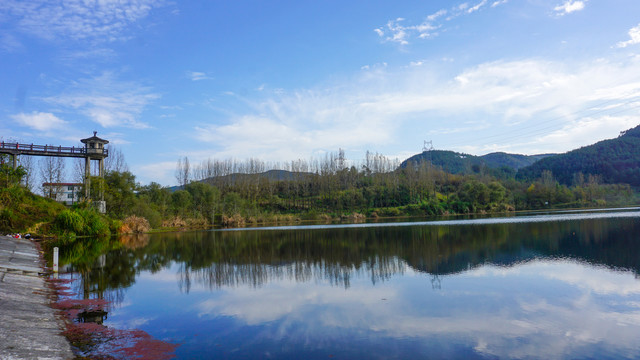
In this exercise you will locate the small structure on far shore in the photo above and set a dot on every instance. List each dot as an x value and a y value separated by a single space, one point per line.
94 150
65 193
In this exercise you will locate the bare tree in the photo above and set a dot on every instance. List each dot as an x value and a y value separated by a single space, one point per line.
30 177
183 172
52 172
78 170
115 161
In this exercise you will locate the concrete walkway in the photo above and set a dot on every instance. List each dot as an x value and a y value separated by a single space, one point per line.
29 328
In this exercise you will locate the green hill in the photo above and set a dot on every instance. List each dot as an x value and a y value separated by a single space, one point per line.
460 163
22 211
614 161
514 161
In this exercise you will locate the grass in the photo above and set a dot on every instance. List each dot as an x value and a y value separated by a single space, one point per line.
21 211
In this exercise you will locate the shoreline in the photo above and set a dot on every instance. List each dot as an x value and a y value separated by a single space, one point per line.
29 326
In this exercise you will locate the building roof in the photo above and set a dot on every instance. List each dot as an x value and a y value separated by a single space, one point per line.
94 138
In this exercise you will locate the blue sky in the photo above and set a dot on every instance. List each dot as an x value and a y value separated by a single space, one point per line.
287 80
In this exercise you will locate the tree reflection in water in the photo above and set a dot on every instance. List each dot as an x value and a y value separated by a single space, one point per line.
215 259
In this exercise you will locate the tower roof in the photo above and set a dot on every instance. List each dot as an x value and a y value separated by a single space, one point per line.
94 139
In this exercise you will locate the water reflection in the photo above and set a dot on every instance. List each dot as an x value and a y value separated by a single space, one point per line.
554 289
252 258
539 309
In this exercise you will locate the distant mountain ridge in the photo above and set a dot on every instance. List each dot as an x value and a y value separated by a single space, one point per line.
460 163
515 161
615 161
271 175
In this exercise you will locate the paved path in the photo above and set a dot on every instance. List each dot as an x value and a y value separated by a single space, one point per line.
29 328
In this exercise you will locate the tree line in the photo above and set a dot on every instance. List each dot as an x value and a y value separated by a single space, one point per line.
236 193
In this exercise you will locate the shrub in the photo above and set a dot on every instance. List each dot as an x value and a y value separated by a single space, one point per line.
235 220
83 222
70 221
135 225
355 217
197 222
115 226
95 224
174 222
390 211
7 218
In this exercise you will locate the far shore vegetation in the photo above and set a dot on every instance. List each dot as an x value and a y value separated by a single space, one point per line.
239 194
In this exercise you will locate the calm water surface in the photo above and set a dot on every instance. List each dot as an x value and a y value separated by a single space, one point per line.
561 285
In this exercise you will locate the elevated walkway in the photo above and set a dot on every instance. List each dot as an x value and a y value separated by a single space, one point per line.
48 150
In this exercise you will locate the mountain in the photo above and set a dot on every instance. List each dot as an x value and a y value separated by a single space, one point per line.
614 160
459 163
514 161
271 175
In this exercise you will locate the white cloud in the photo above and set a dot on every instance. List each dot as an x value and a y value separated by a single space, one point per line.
498 3
133 323
197 75
554 327
436 15
107 101
105 20
399 33
634 37
477 6
40 121
569 6
396 31
575 132
593 280
161 172
521 106
282 301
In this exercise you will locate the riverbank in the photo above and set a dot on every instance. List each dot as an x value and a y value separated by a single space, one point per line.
29 327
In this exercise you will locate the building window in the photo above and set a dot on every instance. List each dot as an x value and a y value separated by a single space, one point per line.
69 196
70 188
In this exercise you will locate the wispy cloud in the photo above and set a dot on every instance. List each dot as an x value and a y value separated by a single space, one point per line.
498 3
634 37
396 30
39 121
105 20
569 6
197 75
10 43
477 6
553 329
373 110
81 56
107 101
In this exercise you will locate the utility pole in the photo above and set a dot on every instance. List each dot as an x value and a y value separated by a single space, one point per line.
430 144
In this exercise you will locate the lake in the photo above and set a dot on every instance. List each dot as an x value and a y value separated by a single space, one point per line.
560 285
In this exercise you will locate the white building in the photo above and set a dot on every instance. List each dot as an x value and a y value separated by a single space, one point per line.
66 193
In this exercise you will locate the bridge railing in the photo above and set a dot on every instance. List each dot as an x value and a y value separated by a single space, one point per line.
46 148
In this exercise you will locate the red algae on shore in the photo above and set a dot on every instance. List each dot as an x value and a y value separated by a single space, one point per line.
96 341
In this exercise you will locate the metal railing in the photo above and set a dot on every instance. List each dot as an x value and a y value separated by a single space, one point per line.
49 148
